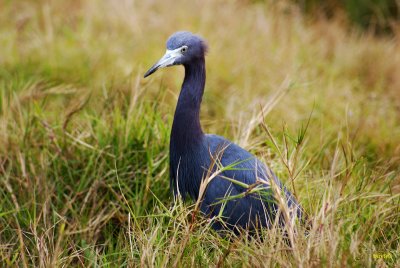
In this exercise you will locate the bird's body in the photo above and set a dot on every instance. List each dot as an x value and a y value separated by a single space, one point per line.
193 153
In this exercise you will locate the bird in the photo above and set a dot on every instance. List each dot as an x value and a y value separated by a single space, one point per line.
240 196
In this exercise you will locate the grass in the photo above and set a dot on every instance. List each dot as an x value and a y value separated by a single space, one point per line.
84 139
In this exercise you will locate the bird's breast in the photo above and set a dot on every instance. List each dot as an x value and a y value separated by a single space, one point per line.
187 168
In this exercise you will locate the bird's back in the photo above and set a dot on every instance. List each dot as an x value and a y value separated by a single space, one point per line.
241 193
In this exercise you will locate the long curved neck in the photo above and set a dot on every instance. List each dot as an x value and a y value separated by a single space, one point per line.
186 129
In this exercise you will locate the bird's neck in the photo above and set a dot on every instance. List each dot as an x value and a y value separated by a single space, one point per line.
186 129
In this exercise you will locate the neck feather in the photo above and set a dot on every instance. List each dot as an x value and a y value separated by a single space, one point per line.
186 128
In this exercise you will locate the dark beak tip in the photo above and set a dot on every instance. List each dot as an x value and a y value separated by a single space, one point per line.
150 71
146 74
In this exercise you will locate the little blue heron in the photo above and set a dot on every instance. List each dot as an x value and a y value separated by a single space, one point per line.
192 153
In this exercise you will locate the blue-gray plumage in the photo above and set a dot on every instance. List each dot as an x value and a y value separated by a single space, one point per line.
192 152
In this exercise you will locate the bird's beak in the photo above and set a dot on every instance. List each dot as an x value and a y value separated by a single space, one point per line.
167 60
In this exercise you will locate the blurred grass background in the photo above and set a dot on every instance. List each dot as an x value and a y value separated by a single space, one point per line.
380 16
84 139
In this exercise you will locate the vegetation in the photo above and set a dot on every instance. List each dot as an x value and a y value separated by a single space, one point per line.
84 139
380 16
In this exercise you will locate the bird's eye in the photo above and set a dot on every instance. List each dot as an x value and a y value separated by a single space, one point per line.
184 49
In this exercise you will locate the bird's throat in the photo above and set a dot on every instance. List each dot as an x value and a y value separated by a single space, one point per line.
186 129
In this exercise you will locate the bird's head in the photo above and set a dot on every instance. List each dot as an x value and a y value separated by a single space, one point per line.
182 48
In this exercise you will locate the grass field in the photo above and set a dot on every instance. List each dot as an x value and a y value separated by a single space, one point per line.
84 138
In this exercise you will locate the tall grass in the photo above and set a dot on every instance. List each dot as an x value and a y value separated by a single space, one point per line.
84 139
